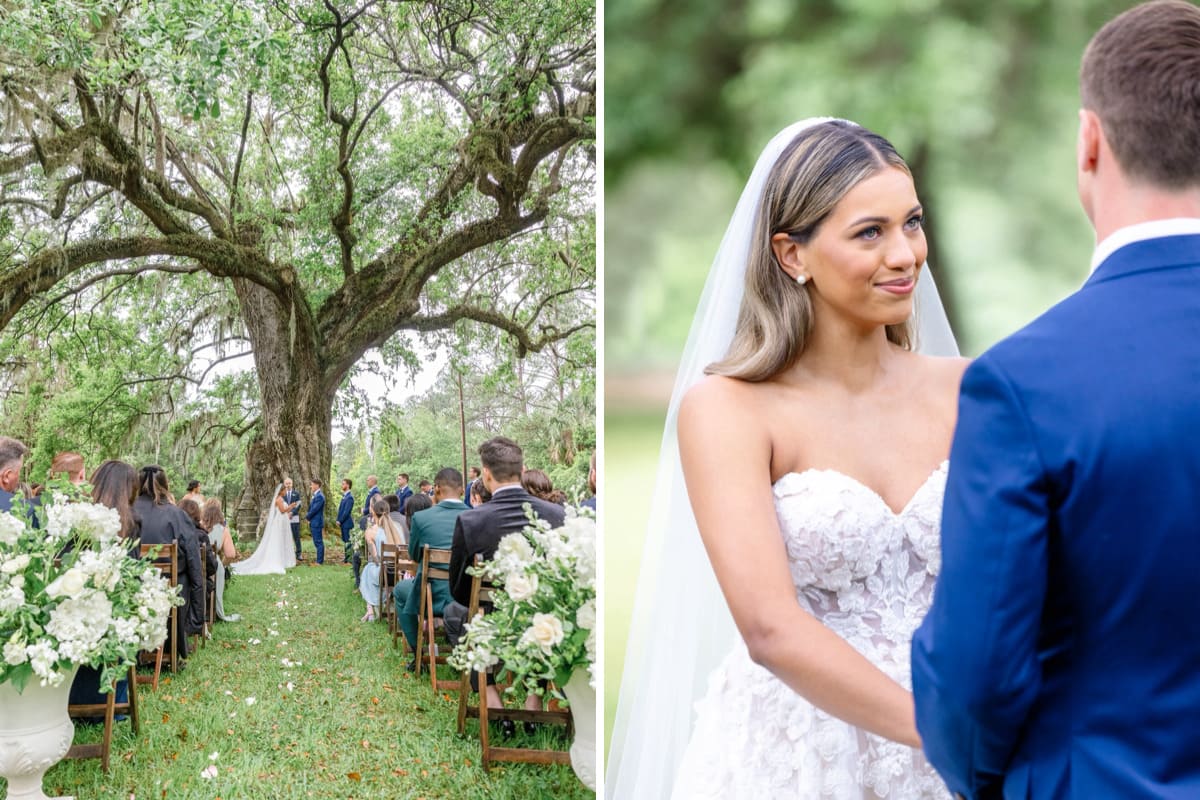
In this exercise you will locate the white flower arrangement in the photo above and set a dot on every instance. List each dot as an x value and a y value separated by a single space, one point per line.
543 625
70 594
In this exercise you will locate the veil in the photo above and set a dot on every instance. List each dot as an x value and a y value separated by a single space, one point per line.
681 626
274 552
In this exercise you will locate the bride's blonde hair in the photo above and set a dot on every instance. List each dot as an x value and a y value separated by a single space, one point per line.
813 173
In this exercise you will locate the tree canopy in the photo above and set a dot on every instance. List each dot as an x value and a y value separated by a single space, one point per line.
183 181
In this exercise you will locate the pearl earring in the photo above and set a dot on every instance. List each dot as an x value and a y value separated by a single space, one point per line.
801 279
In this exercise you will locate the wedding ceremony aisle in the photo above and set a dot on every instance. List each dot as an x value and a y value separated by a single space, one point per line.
299 699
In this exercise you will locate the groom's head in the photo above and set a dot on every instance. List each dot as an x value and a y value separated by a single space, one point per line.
1139 127
316 484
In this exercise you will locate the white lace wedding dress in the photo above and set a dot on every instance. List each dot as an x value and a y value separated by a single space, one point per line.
868 574
275 553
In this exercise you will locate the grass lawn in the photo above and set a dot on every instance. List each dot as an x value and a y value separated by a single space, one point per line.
299 699
631 442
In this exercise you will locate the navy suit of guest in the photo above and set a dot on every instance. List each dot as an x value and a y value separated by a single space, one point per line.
345 516
316 522
289 497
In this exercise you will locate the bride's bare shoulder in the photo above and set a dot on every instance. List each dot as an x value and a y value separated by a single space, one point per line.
715 394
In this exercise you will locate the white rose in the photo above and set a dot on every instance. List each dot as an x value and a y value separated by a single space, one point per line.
522 586
12 598
14 653
585 617
10 529
15 564
546 631
70 584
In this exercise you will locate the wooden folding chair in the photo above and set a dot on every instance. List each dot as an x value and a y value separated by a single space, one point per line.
166 562
387 580
210 598
109 708
403 566
481 597
435 565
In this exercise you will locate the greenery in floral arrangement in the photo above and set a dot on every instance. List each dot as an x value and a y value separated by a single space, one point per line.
543 625
358 541
71 595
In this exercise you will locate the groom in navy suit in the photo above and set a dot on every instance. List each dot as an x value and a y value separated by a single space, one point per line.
316 519
1061 656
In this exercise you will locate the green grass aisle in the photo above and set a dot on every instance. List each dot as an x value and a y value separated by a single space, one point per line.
301 700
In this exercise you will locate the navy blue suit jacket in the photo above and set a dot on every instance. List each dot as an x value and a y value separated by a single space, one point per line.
404 494
374 490
346 512
316 512
1061 656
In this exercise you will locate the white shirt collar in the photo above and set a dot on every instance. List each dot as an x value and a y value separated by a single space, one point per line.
1155 229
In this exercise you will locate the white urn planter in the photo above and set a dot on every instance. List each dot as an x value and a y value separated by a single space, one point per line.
35 733
582 698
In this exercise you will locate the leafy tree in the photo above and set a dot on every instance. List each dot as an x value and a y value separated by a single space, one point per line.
313 178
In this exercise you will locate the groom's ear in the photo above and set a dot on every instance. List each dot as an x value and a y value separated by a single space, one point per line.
789 253
1087 147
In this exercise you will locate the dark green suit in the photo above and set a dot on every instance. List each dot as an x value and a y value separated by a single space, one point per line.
433 527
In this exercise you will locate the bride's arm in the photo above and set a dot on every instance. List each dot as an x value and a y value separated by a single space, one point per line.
726 458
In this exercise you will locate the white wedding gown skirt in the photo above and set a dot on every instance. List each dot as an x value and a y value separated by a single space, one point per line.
867 573
275 553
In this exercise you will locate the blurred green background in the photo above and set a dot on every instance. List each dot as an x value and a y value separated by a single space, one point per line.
981 99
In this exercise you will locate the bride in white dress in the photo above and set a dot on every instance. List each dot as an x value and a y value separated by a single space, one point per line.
814 456
275 552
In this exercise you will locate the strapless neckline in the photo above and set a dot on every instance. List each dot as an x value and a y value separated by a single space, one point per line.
855 482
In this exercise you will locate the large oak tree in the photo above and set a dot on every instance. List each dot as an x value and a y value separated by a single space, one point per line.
347 172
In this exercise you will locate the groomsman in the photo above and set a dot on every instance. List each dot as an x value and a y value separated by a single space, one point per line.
292 498
372 490
345 515
316 519
403 490
472 476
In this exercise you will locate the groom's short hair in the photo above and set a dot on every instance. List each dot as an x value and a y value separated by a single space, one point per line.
503 458
1141 76
317 481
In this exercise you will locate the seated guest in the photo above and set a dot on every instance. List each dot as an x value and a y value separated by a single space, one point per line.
479 531
426 488
67 467
12 459
538 484
479 493
163 523
114 484
591 501
399 518
431 527
207 553
212 519
381 531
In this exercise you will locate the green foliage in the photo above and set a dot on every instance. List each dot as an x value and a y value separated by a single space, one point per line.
980 98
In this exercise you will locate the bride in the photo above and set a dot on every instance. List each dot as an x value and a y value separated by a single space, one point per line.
275 551
814 457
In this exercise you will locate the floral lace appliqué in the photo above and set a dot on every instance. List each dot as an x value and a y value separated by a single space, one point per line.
868 574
